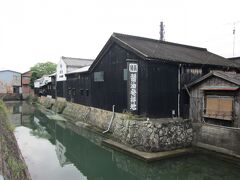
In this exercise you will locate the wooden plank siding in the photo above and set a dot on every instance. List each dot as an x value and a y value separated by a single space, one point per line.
61 89
113 90
78 88
163 89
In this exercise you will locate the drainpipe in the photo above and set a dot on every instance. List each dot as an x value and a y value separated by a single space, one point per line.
179 87
110 123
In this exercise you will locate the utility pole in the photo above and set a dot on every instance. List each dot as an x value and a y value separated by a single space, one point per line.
162 31
234 31
234 35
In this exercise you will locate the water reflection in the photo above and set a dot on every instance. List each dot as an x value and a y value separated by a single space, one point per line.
61 151
20 112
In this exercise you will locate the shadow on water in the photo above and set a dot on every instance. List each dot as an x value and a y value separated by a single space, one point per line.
82 149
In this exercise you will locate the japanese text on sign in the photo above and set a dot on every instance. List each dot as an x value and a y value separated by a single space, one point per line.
133 70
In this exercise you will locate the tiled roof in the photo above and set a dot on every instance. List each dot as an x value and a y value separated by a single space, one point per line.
77 62
162 50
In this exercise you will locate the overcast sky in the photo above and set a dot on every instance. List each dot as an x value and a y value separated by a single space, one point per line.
33 31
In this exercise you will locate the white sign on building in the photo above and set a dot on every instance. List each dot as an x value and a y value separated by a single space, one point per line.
132 86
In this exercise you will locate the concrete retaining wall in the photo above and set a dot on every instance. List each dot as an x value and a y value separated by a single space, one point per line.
149 136
217 138
10 97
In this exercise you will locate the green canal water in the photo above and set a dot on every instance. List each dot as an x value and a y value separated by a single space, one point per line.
54 150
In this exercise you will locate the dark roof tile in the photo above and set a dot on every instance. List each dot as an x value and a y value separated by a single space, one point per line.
162 50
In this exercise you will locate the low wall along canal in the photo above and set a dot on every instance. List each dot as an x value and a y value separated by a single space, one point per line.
143 135
221 139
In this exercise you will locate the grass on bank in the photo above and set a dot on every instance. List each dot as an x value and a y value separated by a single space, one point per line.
14 165
32 99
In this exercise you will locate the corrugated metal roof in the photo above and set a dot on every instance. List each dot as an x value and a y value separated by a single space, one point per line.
162 50
77 62
80 70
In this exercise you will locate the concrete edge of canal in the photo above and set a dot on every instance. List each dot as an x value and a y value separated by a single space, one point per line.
146 156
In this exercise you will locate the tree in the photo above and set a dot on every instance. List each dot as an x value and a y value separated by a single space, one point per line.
40 69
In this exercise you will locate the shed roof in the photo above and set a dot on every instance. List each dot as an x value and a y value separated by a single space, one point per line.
77 62
163 50
228 76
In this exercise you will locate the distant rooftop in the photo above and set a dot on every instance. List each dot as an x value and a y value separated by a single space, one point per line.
10 71
77 62
235 59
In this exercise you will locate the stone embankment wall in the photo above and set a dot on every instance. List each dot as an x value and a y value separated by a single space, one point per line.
150 136
10 97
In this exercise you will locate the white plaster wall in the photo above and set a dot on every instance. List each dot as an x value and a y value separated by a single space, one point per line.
61 71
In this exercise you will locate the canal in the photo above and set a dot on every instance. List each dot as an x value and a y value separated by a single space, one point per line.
56 150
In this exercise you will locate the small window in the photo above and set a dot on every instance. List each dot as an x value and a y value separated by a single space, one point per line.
81 92
73 91
125 74
194 71
87 92
69 91
15 89
99 76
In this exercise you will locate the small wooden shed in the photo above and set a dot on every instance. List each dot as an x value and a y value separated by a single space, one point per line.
215 98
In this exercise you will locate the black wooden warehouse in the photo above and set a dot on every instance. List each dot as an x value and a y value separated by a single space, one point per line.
164 69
